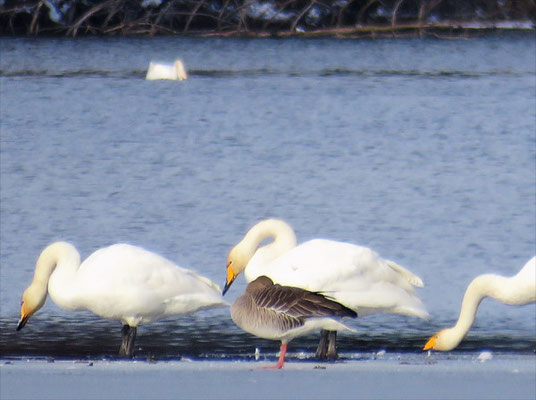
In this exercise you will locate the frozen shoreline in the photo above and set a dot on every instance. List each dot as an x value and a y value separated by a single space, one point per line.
389 376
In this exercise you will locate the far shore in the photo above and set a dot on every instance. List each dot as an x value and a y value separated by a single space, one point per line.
294 18
443 30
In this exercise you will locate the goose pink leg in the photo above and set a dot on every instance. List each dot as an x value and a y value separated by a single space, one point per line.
281 360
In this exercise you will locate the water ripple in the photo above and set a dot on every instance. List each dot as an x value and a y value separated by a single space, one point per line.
212 337
262 72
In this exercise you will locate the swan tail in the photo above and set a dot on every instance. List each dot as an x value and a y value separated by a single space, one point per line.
408 275
414 312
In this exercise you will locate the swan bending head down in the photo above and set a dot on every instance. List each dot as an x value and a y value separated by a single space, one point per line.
120 282
35 295
33 299
517 290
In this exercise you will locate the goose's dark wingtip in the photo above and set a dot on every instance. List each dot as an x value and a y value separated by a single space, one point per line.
346 312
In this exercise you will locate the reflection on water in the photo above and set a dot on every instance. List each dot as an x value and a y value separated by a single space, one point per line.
264 72
216 336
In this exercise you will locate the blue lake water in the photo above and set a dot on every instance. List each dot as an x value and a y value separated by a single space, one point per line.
424 150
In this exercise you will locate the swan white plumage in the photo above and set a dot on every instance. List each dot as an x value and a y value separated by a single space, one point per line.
355 276
517 290
174 72
120 282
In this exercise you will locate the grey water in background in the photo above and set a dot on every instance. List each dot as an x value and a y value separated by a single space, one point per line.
423 150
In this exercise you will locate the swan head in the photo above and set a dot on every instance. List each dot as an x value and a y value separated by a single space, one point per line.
33 299
236 263
443 340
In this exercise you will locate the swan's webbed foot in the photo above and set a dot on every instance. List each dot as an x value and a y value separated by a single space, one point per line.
127 345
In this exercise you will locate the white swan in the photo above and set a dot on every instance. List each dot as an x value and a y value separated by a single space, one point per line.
174 72
352 275
283 312
517 290
120 282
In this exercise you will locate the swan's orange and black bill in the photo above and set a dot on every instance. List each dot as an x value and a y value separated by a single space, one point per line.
430 343
22 321
230 279
24 316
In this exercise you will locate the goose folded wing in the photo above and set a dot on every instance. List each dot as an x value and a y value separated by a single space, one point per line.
296 302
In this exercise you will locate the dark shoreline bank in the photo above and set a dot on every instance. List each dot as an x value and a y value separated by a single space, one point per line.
261 18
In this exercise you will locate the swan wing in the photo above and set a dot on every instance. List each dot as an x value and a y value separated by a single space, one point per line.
408 275
354 275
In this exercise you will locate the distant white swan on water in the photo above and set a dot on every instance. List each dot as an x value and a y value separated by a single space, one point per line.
159 71
517 290
120 282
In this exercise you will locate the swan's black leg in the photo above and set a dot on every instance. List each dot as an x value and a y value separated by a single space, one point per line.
322 349
332 346
129 337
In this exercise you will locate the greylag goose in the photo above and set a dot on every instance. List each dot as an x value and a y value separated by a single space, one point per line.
283 313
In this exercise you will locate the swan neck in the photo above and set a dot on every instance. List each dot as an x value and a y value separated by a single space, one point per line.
56 269
481 287
259 256
283 235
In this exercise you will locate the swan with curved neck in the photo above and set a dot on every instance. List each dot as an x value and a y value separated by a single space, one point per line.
249 252
354 276
517 290
120 282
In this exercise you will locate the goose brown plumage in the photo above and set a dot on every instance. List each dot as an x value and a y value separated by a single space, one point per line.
273 311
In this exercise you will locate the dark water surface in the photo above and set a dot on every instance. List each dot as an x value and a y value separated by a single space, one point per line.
421 149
